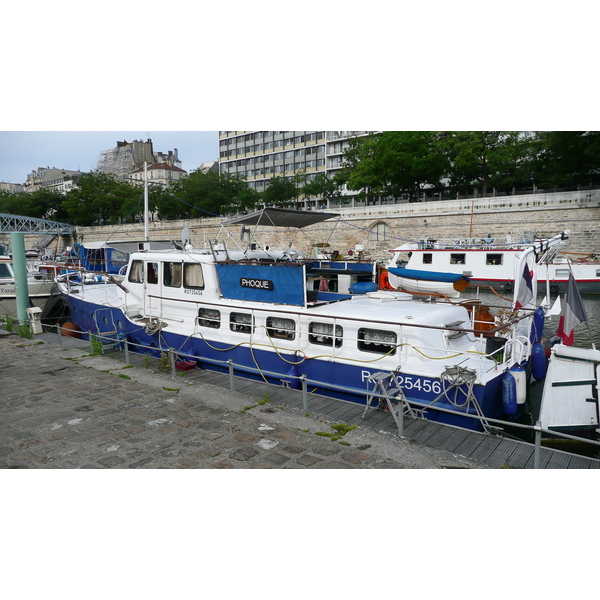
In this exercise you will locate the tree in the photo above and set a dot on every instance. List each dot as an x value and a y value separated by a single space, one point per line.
410 162
321 187
206 195
361 170
567 158
99 199
281 192
477 156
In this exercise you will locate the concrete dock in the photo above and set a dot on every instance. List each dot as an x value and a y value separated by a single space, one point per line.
62 408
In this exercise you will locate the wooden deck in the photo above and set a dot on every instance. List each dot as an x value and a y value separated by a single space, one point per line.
491 450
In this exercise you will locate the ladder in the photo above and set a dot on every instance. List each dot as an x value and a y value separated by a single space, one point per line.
387 390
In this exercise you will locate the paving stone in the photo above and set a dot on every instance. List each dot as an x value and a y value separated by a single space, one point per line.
222 464
308 460
244 454
355 457
111 461
100 421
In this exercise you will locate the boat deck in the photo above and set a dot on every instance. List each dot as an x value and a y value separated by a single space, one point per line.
490 450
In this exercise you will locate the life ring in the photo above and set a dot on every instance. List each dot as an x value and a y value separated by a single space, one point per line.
554 288
384 280
508 286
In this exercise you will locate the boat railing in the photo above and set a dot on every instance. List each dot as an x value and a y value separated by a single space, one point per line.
302 382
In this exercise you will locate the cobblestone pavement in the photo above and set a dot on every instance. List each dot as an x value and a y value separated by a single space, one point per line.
61 408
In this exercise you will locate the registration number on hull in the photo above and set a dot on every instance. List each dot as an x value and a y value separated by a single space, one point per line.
414 382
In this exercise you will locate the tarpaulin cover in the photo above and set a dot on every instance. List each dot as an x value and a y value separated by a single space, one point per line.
281 217
427 275
277 283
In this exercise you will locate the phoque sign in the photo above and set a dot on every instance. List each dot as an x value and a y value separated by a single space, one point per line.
256 284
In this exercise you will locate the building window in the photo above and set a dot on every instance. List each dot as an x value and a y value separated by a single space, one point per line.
322 334
380 232
241 322
172 274
209 317
193 276
284 329
377 341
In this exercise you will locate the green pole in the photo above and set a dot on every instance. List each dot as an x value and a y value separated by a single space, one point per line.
17 242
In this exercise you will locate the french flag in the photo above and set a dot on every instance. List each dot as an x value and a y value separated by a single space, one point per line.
525 291
573 313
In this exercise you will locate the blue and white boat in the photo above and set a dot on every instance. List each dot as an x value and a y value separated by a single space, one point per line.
263 311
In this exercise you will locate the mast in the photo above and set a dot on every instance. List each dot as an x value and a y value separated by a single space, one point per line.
146 235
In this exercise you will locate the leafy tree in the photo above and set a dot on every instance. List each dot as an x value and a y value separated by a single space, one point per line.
567 158
322 186
41 204
411 161
206 195
99 199
394 163
281 192
477 156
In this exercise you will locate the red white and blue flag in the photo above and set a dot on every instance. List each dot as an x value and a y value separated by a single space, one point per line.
525 289
573 313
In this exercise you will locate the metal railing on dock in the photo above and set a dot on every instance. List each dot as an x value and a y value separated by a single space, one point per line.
302 383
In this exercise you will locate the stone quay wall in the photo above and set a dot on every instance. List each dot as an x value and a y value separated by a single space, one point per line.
542 214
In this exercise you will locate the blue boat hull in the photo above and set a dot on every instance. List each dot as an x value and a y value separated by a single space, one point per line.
337 380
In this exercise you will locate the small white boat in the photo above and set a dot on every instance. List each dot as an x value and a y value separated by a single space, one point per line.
492 262
41 287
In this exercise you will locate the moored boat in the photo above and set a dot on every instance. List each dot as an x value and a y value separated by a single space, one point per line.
264 313
41 288
491 262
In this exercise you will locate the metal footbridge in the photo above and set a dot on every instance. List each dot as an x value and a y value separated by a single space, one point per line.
19 224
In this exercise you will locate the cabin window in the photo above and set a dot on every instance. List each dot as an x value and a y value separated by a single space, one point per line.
597 272
562 273
377 340
457 259
193 276
136 272
427 258
284 329
172 274
322 334
241 322
493 259
209 317
4 272
152 272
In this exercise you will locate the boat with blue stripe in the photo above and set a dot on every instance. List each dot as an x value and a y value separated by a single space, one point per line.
264 312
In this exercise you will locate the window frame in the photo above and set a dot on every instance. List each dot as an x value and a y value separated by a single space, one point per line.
280 332
376 347
209 317
241 326
332 338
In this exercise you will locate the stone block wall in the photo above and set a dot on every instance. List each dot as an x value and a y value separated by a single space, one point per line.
546 215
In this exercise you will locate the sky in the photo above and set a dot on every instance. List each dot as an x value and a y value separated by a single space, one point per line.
24 151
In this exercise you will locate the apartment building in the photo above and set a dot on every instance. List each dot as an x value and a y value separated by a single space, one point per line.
59 180
161 173
259 156
129 156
